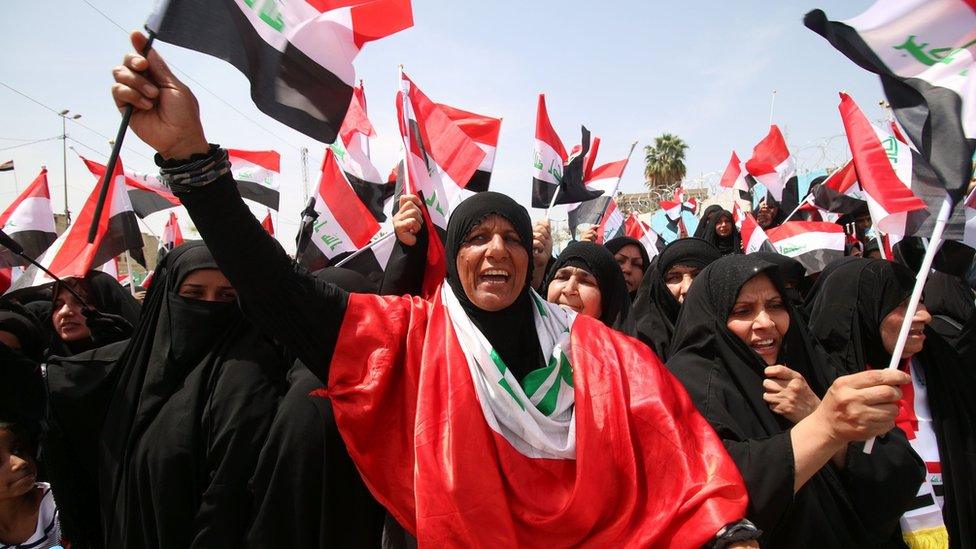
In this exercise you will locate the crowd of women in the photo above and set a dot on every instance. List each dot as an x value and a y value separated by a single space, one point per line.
600 398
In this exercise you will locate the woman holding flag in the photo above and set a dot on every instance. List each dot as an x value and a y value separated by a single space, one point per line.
481 414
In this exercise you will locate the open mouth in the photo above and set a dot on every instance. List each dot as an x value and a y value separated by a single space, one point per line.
495 277
917 333
764 347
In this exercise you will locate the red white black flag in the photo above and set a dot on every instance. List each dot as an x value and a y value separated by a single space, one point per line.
815 244
146 194
555 171
771 163
297 55
925 53
351 150
484 131
29 220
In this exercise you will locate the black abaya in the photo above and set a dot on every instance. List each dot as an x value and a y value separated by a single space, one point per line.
731 244
599 262
856 506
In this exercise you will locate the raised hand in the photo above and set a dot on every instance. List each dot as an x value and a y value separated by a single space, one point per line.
863 405
408 220
165 113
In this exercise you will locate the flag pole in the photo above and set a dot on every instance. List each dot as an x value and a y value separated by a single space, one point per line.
772 102
369 246
406 128
552 202
132 280
114 157
923 273
804 202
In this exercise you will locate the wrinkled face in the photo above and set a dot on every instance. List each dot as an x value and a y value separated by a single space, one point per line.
679 278
492 264
207 285
723 226
759 318
631 264
891 325
18 470
67 319
576 289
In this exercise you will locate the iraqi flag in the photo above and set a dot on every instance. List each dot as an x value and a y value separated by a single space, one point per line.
255 173
484 131
754 238
553 169
267 224
297 55
440 157
351 149
840 193
815 244
672 209
71 255
344 223
146 194
172 235
771 163
902 191
606 179
642 232
29 221
925 53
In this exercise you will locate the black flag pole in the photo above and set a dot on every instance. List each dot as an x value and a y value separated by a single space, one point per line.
114 157
304 237
16 248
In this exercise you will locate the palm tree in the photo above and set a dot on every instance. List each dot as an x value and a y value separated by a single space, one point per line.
665 161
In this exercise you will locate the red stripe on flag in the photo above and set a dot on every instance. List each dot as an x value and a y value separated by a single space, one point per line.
482 129
874 170
732 172
37 189
356 121
341 200
544 131
795 228
843 179
609 170
768 153
270 160
379 18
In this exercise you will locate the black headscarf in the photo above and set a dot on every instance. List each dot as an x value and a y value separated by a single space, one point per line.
655 310
17 320
102 292
791 272
23 400
855 507
846 316
705 218
731 244
599 262
617 244
851 302
511 331
196 393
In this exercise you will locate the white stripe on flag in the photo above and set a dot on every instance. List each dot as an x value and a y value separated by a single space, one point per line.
32 214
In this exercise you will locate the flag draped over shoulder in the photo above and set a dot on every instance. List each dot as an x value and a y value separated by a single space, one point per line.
646 470
925 54
771 163
297 55
29 221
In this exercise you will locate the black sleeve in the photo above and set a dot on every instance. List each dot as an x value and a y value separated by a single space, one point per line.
404 274
302 313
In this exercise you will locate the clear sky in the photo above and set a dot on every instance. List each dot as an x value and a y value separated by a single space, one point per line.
627 69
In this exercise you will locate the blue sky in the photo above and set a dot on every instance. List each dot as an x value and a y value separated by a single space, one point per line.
628 70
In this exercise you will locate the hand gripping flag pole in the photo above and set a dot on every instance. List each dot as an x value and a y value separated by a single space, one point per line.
16 248
923 273
114 157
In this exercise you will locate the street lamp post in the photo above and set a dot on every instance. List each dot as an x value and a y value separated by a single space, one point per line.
64 159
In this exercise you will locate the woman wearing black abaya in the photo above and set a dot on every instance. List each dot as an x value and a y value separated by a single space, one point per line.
661 292
632 258
75 329
307 491
758 376
722 233
179 413
791 273
586 279
857 316
705 218
20 330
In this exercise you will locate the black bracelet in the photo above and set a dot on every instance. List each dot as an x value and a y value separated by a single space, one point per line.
183 176
742 530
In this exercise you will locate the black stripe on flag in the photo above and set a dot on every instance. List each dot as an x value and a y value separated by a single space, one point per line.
259 193
145 203
372 195
287 86
589 212
34 244
122 235
479 182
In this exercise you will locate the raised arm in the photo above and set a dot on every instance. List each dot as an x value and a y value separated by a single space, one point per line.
302 313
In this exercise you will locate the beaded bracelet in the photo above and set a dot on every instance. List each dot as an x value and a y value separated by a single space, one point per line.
198 171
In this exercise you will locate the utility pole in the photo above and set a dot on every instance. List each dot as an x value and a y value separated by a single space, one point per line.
64 159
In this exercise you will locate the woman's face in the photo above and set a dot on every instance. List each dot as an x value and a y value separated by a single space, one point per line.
207 285
723 226
679 278
631 265
891 325
67 319
577 289
492 264
759 318
18 470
